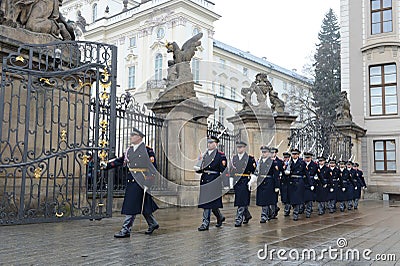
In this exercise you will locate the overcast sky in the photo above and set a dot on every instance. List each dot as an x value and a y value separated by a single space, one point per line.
284 31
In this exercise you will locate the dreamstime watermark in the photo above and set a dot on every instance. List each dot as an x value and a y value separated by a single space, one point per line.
338 253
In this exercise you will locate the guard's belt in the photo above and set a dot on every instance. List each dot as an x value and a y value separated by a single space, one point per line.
242 174
297 176
139 170
266 176
211 172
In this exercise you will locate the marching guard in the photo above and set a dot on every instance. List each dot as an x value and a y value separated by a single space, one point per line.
141 162
279 162
333 185
212 170
241 168
321 183
297 174
284 182
345 193
309 189
360 184
267 178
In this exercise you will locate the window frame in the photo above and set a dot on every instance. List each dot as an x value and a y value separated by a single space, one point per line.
385 160
131 77
196 69
158 62
383 87
130 42
222 89
381 10
94 12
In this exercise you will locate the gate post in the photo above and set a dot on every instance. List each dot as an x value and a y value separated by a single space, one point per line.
186 134
355 132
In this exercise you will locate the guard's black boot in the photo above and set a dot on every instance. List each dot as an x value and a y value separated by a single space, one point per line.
202 228
219 222
246 220
122 234
151 229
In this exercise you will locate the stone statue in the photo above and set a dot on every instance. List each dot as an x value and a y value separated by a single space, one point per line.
81 21
343 109
40 16
179 68
277 105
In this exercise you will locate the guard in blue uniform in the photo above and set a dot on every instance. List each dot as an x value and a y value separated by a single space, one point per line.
284 182
321 184
241 168
345 193
142 171
309 189
279 162
296 185
267 178
333 186
213 171
353 184
360 183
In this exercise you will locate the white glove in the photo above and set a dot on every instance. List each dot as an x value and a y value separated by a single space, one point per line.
365 188
326 186
312 188
331 190
253 179
316 177
196 168
103 165
277 190
355 188
287 172
344 189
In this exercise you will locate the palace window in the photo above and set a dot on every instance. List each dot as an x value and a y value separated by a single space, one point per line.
158 67
94 12
385 156
131 77
221 90
221 115
381 16
160 33
233 93
383 89
196 69
132 41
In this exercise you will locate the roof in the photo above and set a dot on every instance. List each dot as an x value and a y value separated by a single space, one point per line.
261 61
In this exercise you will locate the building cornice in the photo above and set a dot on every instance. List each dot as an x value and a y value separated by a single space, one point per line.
379 45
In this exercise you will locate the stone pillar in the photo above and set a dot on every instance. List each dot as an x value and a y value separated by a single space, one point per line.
356 132
186 136
259 127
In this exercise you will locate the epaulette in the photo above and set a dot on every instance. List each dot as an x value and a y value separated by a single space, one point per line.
148 147
221 152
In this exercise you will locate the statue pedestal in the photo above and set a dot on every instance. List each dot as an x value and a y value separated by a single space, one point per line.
283 122
186 135
356 132
258 127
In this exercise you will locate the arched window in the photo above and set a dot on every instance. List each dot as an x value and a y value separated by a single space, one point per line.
94 12
158 67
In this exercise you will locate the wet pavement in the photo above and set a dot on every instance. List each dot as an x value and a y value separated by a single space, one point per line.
374 226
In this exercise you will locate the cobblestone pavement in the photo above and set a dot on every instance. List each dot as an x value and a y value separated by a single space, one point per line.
373 226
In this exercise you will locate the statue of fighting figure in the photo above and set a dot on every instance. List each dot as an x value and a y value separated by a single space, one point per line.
179 71
41 16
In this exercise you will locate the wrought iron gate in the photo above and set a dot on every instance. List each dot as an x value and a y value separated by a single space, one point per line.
321 139
55 131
